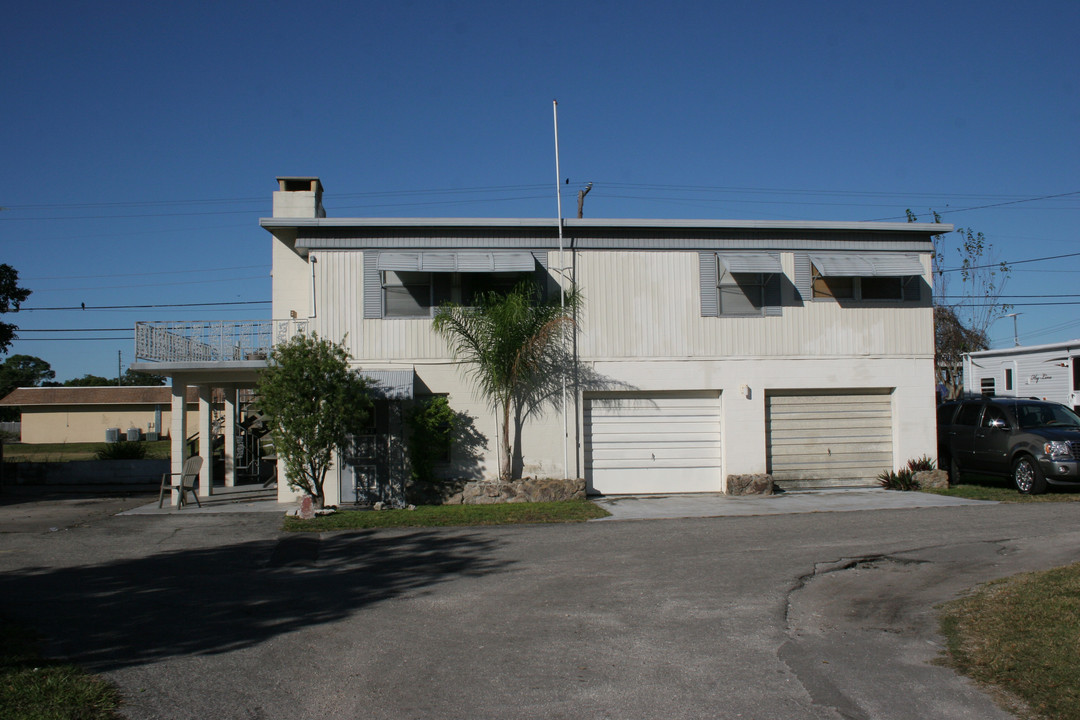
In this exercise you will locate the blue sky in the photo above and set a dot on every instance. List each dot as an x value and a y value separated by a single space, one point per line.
141 140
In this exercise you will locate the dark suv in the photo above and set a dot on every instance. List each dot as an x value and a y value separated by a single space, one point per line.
1032 441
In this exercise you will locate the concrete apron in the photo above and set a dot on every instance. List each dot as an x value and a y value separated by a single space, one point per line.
688 505
644 507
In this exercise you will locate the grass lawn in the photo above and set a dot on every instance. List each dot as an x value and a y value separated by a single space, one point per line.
32 688
983 487
1020 635
66 452
450 515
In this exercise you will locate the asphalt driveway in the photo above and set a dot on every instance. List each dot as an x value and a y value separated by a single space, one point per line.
811 615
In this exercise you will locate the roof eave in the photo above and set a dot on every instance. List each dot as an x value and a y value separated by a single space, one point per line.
281 223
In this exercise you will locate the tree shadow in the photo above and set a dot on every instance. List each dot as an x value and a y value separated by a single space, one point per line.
534 400
468 446
208 601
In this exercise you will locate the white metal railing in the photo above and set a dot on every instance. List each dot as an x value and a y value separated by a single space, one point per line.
212 340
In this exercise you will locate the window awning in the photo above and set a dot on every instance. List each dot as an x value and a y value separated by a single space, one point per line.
867 264
751 262
439 261
390 384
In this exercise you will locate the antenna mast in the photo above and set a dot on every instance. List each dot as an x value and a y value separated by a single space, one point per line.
562 289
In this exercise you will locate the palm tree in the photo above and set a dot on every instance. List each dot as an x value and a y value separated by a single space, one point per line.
511 342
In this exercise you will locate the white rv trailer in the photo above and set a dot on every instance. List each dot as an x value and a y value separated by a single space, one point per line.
1047 372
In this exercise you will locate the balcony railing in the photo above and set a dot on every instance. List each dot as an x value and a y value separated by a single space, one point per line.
212 340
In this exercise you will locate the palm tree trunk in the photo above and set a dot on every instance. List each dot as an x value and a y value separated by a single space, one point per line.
504 449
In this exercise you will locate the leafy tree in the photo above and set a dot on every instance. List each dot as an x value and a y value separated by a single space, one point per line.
11 298
313 401
128 378
962 321
513 343
21 371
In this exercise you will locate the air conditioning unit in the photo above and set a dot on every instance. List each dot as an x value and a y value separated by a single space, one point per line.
151 436
112 435
133 434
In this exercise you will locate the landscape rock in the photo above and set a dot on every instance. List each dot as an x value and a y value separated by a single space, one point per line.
756 484
307 508
932 479
489 492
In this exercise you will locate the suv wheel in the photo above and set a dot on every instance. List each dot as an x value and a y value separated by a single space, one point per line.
1027 476
954 471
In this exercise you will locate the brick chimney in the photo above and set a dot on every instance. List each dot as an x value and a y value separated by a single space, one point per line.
299 197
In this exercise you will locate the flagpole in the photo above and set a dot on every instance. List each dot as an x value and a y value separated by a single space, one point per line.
562 289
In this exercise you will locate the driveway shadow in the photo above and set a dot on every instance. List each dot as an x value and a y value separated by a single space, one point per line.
208 601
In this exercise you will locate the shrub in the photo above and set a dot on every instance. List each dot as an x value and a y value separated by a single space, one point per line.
921 464
431 428
902 479
122 451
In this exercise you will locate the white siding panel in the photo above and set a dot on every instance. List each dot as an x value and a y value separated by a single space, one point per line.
659 443
648 305
638 305
829 438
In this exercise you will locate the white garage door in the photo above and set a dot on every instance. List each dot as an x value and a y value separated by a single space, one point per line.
652 443
828 439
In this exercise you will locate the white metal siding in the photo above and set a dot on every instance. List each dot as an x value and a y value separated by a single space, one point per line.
638 305
647 305
652 443
828 438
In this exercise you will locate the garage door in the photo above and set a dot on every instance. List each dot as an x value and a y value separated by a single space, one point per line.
652 443
816 439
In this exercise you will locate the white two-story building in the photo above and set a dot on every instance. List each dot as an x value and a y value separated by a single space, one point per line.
703 348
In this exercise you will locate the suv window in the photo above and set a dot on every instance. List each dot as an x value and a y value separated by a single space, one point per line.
969 414
945 413
1045 415
994 416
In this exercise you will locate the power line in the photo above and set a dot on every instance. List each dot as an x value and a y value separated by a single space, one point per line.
119 329
174 304
1009 263
154 285
76 339
143 274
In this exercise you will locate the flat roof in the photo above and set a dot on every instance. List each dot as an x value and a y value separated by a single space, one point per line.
1049 347
273 223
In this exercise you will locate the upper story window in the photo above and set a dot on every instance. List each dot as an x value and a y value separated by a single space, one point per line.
864 288
881 277
741 293
418 294
413 284
740 284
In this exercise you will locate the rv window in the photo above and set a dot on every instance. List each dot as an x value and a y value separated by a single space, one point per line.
987 386
1008 379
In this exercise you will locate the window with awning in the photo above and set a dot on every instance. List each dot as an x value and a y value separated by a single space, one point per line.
866 276
740 284
410 284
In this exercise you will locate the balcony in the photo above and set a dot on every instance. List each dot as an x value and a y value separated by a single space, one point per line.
212 341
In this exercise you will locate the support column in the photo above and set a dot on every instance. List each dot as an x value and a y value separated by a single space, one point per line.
230 435
178 433
206 440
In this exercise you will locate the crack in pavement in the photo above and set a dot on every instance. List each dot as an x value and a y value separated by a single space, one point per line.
862 632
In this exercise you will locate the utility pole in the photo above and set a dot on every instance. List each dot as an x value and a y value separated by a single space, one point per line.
119 364
1016 335
581 199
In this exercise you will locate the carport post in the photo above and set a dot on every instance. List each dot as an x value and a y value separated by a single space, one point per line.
230 435
178 433
206 440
